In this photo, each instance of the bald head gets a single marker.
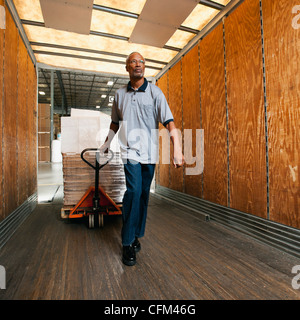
(135, 65)
(131, 54)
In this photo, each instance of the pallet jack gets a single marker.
(95, 203)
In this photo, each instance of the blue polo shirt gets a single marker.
(138, 112)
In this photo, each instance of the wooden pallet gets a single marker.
(65, 210)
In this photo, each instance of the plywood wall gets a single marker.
(282, 60)
(249, 106)
(22, 130)
(246, 123)
(191, 121)
(213, 109)
(18, 120)
(10, 116)
(175, 102)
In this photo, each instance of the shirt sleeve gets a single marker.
(164, 112)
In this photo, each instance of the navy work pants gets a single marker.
(135, 201)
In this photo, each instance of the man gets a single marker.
(136, 111)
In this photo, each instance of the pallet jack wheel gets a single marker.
(91, 221)
(101, 220)
(95, 220)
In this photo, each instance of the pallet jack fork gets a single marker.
(95, 203)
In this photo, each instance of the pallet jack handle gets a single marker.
(97, 167)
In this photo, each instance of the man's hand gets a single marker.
(111, 133)
(178, 158)
(104, 148)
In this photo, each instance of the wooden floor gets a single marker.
(182, 257)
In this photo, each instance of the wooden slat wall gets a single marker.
(175, 102)
(9, 116)
(191, 117)
(162, 171)
(256, 150)
(22, 130)
(1, 108)
(18, 168)
(282, 61)
(247, 150)
(213, 106)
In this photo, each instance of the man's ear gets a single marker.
(126, 67)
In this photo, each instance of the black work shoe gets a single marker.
(136, 245)
(129, 257)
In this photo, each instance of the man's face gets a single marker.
(136, 66)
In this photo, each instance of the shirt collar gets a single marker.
(142, 88)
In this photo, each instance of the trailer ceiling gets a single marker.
(99, 51)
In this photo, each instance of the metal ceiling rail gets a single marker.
(172, 48)
(212, 4)
(33, 23)
(108, 35)
(187, 29)
(116, 11)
